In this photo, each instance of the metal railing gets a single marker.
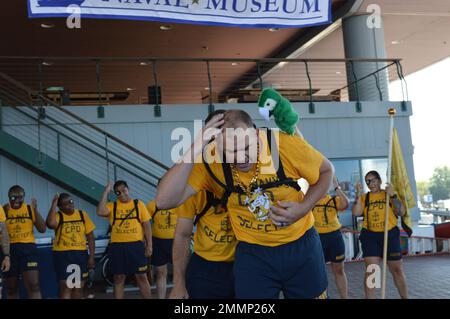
(416, 246)
(120, 80)
(436, 212)
(76, 143)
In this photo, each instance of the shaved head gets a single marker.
(237, 119)
(238, 141)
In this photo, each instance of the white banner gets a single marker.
(242, 13)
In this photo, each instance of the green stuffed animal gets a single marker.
(273, 103)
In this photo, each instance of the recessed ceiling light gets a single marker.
(207, 89)
(395, 42)
(274, 29)
(283, 63)
(131, 89)
(143, 63)
(234, 63)
(47, 63)
(165, 27)
(338, 72)
(47, 25)
(54, 88)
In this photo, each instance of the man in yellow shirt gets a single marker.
(163, 230)
(327, 224)
(278, 249)
(73, 228)
(4, 252)
(128, 251)
(208, 273)
(372, 206)
(21, 218)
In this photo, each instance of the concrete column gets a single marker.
(361, 41)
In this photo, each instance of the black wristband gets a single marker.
(6, 255)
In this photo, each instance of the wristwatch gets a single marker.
(337, 187)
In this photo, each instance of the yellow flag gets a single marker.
(401, 183)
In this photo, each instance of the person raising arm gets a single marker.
(173, 189)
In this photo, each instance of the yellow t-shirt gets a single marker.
(377, 212)
(164, 221)
(300, 160)
(125, 225)
(326, 215)
(20, 223)
(214, 238)
(71, 234)
(2, 215)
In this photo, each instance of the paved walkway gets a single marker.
(428, 278)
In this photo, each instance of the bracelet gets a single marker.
(394, 196)
(337, 187)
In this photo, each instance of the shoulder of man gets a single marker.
(85, 214)
(151, 207)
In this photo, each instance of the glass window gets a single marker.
(374, 164)
(348, 174)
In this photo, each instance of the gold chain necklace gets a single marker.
(254, 179)
(258, 202)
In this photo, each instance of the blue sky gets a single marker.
(429, 92)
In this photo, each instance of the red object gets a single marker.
(442, 230)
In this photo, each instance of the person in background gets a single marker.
(328, 226)
(21, 218)
(372, 206)
(73, 228)
(5, 259)
(131, 238)
(208, 272)
(163, 230)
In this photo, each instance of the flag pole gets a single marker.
(391, 112)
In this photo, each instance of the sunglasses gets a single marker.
(70, 201)
(369, 181)
(118, 193)
(14, 198)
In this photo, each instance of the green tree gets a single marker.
(440, 183)
(422, 190)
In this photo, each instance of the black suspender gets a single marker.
(229, 186)
(325, 207)
(59, 228)
(29, 214)
(367, 209)
(135, 209)
(210, 202)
